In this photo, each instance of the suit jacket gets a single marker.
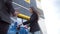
(6, 9)
(33, 23)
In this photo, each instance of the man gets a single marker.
(6, 10)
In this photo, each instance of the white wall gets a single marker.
(42, 25)
(52, 16)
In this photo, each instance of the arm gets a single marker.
(27, 22)
(32, 19)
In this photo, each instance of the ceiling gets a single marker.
(26, 5)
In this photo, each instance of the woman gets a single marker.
(35, 29)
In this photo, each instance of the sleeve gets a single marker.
(9, 6)
(27, 22)
(32, 19)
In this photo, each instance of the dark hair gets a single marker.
(34, 11)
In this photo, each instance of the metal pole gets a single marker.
(20, 5)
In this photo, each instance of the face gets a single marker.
(31, 10)
(16, 13)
